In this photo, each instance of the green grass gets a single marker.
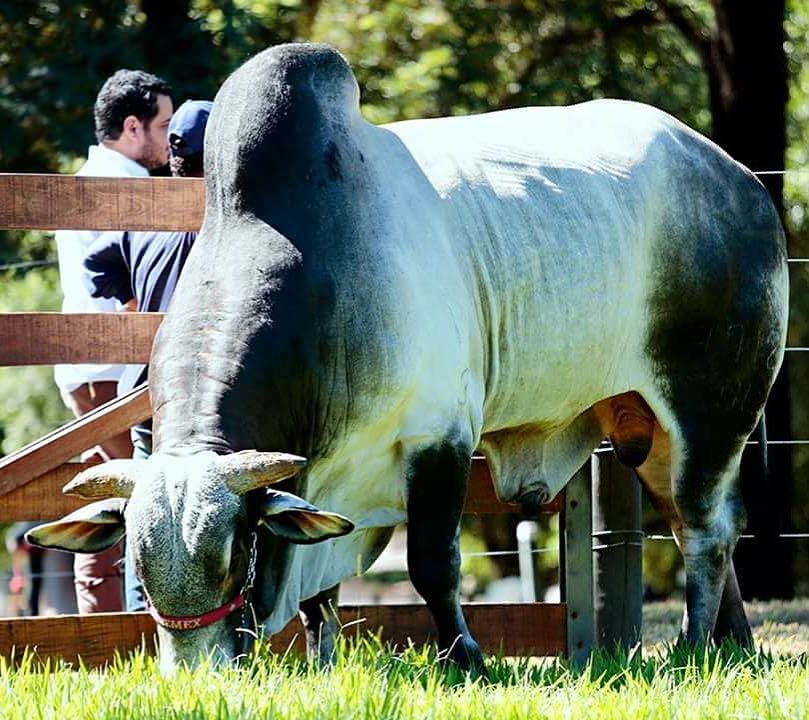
(370, 681)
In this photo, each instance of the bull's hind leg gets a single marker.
(712, 518)
(731, 622)
(708, 498)
(436, 483)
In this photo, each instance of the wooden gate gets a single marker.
(32, 477)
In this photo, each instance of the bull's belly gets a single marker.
(540, 427)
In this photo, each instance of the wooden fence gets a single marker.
(31, 478)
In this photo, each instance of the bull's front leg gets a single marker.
(321, 625)
(436, 480)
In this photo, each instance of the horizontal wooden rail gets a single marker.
(50, 451)
(515, 629)
(41, 338)
(42, 498)
(68, 202)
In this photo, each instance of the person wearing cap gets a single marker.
(187, 138)
(131, 112)
(141, 269)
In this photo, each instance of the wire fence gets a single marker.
(29, 264)
(623, 543)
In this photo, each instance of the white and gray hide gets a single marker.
(365, 306)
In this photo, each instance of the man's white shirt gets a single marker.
(71, 246)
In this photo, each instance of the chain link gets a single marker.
(251, 565)
(248, 614)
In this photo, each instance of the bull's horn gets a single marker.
(112, 479)
(249, 469)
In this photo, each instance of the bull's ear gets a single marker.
(249, 469)
(294, 519)
(92, 528)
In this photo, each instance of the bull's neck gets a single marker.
(202, 394)
(218, 393)
(179, 430)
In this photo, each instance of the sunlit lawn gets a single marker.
(370, 681)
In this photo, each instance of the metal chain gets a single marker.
(248, 614)
(251, 564)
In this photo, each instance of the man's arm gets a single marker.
(106, 268)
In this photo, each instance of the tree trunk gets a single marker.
(747, 73)
(175, 48)
(165, 22)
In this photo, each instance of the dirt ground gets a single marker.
(779, 626)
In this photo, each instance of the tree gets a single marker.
(744, 58)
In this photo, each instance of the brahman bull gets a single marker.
(366, 305)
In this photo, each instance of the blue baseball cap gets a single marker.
(187, 127)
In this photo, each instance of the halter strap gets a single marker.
(192, 622)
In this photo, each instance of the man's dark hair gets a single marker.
(127, 92)
(190, 166)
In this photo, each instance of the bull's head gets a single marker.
(189, 526)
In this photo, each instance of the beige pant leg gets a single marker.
(88, 397)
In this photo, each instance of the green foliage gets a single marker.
(412, 59)
(796, 203)
(31, 404)
(52, 58)
(443, 57)
(371, 681)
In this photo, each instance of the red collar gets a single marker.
(192, 622)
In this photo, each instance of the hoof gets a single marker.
(533, 501)
(465, 654)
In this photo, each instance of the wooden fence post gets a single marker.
(577, 565)
(617, 553)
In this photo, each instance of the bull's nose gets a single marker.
(216, 659)
(192, 648)
(168, 668)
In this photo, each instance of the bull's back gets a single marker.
(578, 228)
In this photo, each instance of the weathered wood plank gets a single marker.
(67, 202)
(617, 553)
(51, 338)
(94, 637)
(73, 438)
(41, 498)
(517, 629)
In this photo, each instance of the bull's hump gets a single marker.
(284, 79)
(279, 121)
